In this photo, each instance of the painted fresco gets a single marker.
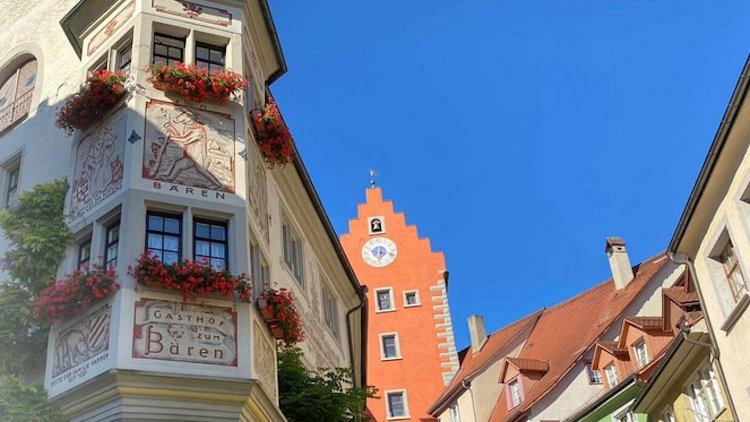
(99, 166)
(195, 11)
(257, 186)
(187, 146)
(264, 361)
(110, 28)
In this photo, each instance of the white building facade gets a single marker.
(186, 180)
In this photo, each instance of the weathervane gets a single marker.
(373, 175)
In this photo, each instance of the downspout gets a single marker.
(471, 393)
(712, 336)
(362, 305)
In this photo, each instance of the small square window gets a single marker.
(210, 57)
(293, 252)
(411, 298)
(260, 272)
(384, 300)
(168, 50)
(397, 405)
(210, 244)
(330, 309)
(376, 225)
(594, 376)
(515, 393)
(641, 353)
(11, 192)
(611, 373)
(390, 347)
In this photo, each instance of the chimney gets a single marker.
(478, 333)
(622, 272)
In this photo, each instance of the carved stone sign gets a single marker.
(184, 332)
(192, 10)
(99, 166)
(257, 186)
(265, 362)
(80, 347)
(187, 146)
(110, 28)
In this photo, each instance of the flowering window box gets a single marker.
(196, 85)
(192, 278)
(73, 294)
(102, 90)
(281, 315)
(273, 136)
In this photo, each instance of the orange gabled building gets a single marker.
(411, 352)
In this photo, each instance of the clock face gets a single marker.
(379, 252)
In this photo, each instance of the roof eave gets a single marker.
(727, 121)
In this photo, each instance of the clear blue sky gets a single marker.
(515, 134)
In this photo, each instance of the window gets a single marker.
(84, 254)
(293, 252)
(124, 56)
(389, 346)
(259, 270)
(668, 415)
(16, 92)
(384, 300)
(11, 192)
(168, 50)
(397, 405)
(411, 298)
(611, 373)
(625, 416)
(376, 225)
(733, 272)
(210, 244)
(705, 395)
(514, 389)
(594, 376)
(110, 248)
(330, 310)
(209, 57)
(164, 237)
(641, 353)
(453, 413)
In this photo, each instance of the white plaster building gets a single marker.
(121, 195)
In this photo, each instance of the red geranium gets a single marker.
(284, 314)
(274, 139)
(196, 85)
(102, 90)
(71, 295)
(191, 278)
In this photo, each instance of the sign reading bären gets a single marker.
(185, 332)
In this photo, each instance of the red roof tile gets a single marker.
(564, 332)
(493, 350)
(646, 323)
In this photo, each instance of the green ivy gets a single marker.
(325, 395)
(38, 236)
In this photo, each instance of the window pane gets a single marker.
(113, 234)
(218, 232)
(156, 253)
(218, 250)
(396, 404)
(201, 53)
(172, 225)
(170, 257)
(171, 243)
(202, 248)
(218, 264)
(155, 223)
(155, 241)
(202, 230)
(217, 56)
(384, 300)
(389, 346)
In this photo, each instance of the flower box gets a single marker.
(283, 318)
(196, 85)
(102, 90)
(272, 134)
(73, 294)
(191, 278)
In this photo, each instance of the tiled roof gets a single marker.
(564, 332)
(492, 351)
(612, 347)
(646, 323)
(680, 296)
(529, 364)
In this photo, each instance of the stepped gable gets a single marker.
(559, 337)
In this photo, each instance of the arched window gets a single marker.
(16, 92)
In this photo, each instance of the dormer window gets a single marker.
(594, 376)
(641, 353)
(611, 373)
(514, 389)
